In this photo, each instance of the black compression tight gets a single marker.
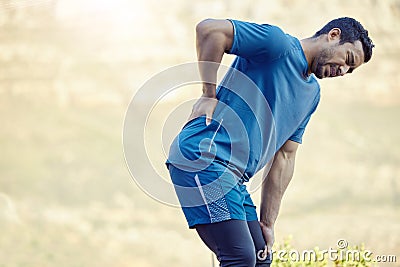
(234, 242)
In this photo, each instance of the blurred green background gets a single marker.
(68, 71)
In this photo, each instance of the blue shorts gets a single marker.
(211, 196)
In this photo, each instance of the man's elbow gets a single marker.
(205, 28)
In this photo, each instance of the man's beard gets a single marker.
(320, 62)
(319, 71)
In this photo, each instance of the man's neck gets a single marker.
(310, 48)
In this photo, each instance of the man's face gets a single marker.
(337, 60)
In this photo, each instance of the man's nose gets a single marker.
(344, 69)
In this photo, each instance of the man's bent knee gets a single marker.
(243, 257)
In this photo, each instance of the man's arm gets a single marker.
(273, 188)
(213, 38)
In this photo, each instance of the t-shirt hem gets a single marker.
(296, 140)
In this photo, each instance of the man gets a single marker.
(228, 136)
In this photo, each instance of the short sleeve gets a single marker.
(259, 42)
(298, 134)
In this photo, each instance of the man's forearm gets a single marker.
(275, 185)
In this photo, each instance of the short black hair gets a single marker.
(351, 31)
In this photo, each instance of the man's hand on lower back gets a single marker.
(204, 106)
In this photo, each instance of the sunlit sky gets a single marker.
(117, 12)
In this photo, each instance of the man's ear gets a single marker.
(334, 34)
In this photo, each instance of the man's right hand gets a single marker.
(204, 106)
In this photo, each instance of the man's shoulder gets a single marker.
(256, 26)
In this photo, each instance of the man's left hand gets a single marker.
(268, 233)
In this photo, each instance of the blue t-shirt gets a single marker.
(265, 99)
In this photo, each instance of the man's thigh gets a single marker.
(230, 240)
(235, 242)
